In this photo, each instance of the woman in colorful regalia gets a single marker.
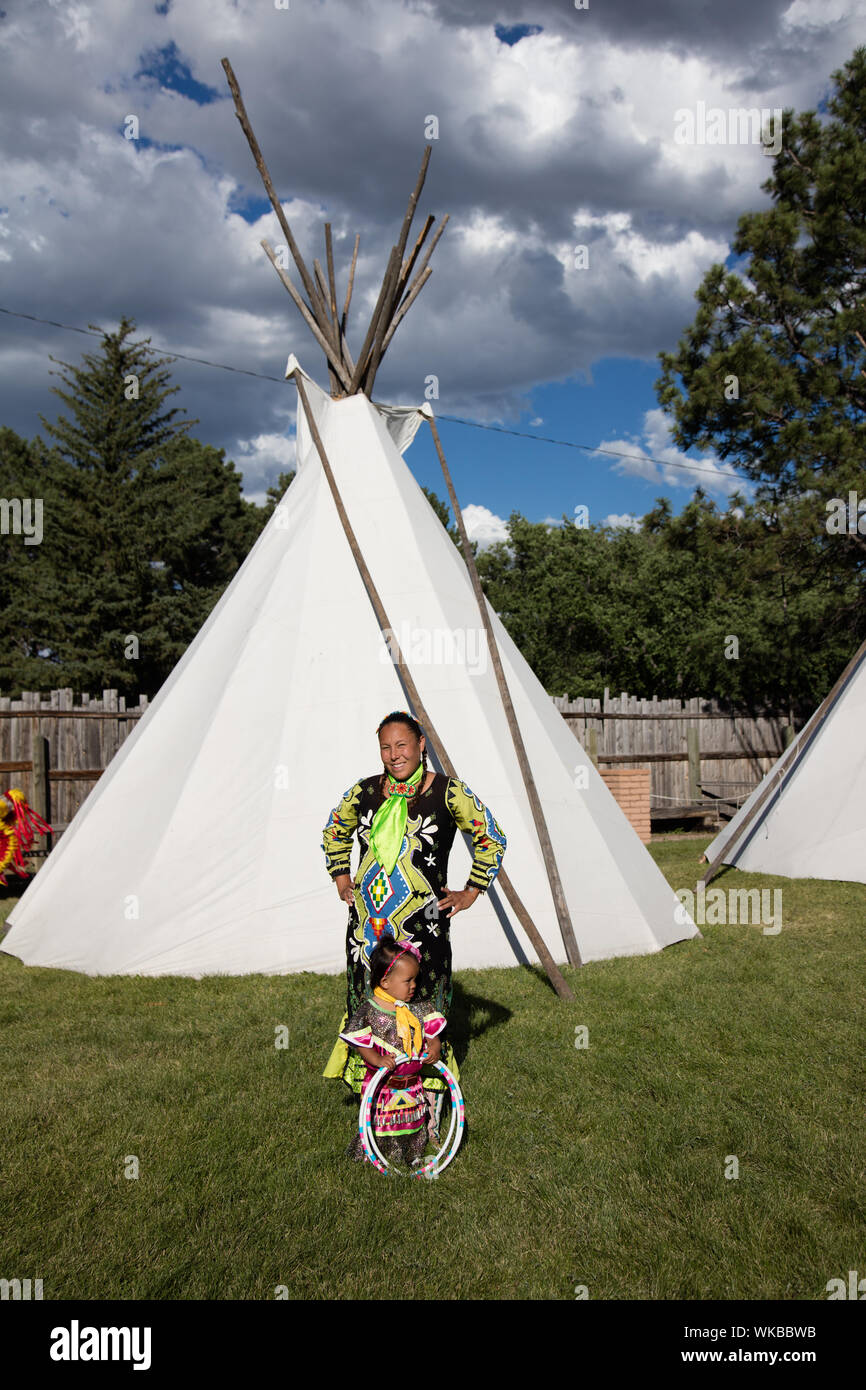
(405, 819)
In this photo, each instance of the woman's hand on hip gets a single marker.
(345, 887)
(458, 899)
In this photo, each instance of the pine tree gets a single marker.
(772, 372)
(143, 528)
(277, 490)
(116, 398)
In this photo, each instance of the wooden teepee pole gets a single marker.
(317, 305)
(562, 913)
(405, 286)
(412, 258)
(552, 970)
(332, 282)
(376, 350)
(404, 308)
(408, 295)
(307, 316)
(347, 356)
(393, 297)
(333, 326)
(367, 347)
(320, 312)
(393, 286)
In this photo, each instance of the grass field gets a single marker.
(602, 1166)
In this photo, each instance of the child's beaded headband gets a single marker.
(406, 946)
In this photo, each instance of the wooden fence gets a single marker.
(54, 749)
(700, 757)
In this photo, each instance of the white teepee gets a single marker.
(807, 818)
(198, 850)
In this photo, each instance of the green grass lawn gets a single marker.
(602, 1166)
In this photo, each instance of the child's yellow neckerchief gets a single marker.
(408, 1026)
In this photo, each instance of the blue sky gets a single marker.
(556, 130)
(542, 480)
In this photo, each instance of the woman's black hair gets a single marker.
(401, 717)
(381, 957)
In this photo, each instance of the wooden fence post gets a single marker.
(693, 741)
(592, 746)
(39, 756)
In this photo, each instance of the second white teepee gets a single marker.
(807, 817)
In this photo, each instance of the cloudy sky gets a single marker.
(557, 128)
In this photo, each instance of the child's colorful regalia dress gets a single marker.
(400, 1117)
(402, 902)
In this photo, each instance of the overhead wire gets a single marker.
(452, 419)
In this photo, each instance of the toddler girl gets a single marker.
(387, 1022)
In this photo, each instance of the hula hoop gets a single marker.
(433, 1166)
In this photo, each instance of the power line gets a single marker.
(185, 357)
(590, 448)
(453, 419)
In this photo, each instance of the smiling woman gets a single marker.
(405, 819)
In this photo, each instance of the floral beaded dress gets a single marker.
(400, 1119)
(403, 903)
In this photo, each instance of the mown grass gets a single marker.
(602, 1166)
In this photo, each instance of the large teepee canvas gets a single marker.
(807, 818)
(199, 849)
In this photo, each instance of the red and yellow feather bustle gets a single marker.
(19, 825)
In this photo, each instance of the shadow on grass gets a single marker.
(470, 1016)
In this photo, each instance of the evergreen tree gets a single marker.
(442, 511)
(772, 373)
(277, 490)
(144, 527)
(32, 480)
(115, 400)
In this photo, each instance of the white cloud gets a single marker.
(263, 457)
(683, 260)
(804, 14)
(484, 526)
(670, 465)
(626, 521)
(75, 20)
(567, 136)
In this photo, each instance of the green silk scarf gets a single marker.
(389, 823)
